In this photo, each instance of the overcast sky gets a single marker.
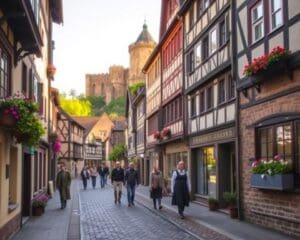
(96, 34)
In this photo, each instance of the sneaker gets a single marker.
(181, 216)
(129, 205)
(132, 203)
(160, 207)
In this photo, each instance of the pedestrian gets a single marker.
(101, 171)
(63, 182)
(93, 174)
(117, 180)
(85, 175)
(156, 187)
(106, 173)
(131, 181)
(180, 188)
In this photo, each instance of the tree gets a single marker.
(118, 152)
(116, 106)
(76, 107)
(97, 104)
(72, 93)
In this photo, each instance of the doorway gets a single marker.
(227, 169)
(26, 187)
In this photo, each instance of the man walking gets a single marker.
(131, 181)
(117, 180)
(103, 172)
(63, 182)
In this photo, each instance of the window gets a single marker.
(199, 8)
(257, 21)
(266, 143)
(198, 54)
(223, 34)
(205, 49)
(172, 160)
(191, 14)
(221, 91)
(209, 98)
(276, 14)
(193, 106)
(36, 8)
(4, 74)
(231, 88)
(202, 101)
(24, 79)
(213, 41)
(191, 62)
(205, 4)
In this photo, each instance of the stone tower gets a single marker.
(139, 52)
(118, 77)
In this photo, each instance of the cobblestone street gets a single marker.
(102, 219)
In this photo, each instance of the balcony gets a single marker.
(21, 18)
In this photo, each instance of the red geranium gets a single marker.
(265, 61)
(157, 135)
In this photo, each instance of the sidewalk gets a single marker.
(208, 224)
(54, 224)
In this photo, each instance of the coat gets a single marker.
(63, 184)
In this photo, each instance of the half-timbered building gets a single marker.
(25, 52)
(210, 94)
(172, 120)
(71, 135)
(269, 107)
(153, 155)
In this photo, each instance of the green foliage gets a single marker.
(230, 198)
(116, 106)
(272, 167)
(76, 107)
(117, 153)
(97, 104)
(28, 129)
(133, 88)
(212, 200)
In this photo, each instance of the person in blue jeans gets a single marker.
(131, 182)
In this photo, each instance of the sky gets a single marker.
(96, 34)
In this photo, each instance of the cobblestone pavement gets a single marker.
(102, 219)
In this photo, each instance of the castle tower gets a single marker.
(118, 77)
(139, 52)
(96, 84)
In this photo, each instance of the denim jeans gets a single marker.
(102, 181)
(130, 193)
(94, 181)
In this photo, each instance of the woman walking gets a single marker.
(180, 187)
(94, 173)
(156, 186)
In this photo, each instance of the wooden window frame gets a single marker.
(202, 102)
(252, 23)
(211, 51)
(7, 72)
(193, 106)
(205, 48)
(222, 95)
(211, 98)
(272, 28)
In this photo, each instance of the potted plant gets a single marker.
(213, 204)
(39, 203)
(166, 132)
(51, 70)
(157, 135)
(25, 124)
(274, 174)
(231, 199)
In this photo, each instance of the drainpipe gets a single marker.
(234, 73)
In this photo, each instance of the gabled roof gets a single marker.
(87, 122)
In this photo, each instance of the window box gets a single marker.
(276, 182)
(277, 68)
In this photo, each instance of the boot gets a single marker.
(116, 197)
(119, 199)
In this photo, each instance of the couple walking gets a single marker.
(129, 178)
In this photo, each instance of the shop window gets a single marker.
(173, 159)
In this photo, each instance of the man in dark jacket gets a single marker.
(63, 182)
(117, 180)
(103, 173)
(131, 181)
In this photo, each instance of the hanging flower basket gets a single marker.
(7, 120)
(157, 135)
(51, 70)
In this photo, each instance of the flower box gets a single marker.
(277, 68)
(276, 182)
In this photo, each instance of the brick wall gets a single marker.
(274, 209)
(10, 228)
